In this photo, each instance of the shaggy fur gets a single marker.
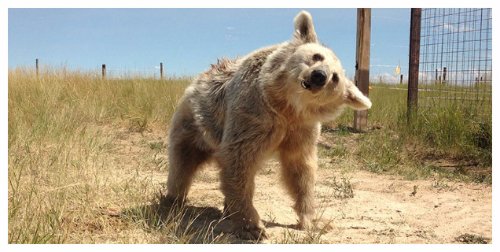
(240, 112)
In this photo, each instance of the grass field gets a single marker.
(64, 164)
(452, 132)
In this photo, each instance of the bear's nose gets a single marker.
(318, 77)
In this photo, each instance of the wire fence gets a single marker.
(111, 72)
(455, 58)
(130, 73)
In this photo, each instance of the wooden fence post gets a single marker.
(362, 78)
(104, 71)
(161, 70)
(37, 67)
(412, 102)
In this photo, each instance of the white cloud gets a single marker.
(382, 65)
(386, 78)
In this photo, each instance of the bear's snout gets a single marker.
(318, 78)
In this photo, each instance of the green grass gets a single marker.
(453, 131)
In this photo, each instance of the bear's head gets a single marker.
(310, 74)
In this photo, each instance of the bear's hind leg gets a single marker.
(185, 158)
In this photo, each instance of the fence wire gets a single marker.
(455, 58)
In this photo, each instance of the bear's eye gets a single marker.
(318, 57)
(335, 78)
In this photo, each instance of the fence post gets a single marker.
(362, 77)
(444, 74)
(37, 67)
(104, 71)
(161, 70)
(412, 102)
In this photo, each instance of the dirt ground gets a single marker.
(384, 209)
(362, 207)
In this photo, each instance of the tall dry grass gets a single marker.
(60, 154)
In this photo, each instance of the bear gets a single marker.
(240, 112)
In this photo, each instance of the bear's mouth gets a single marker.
(305, 85)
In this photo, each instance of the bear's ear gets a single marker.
(304, 28)
(355, 99)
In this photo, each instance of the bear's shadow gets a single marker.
(185, 224)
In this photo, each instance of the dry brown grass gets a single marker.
(65, 168)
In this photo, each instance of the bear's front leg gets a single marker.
(298, 172)
(298, 157)
(239, 163)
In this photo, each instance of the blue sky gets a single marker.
(188, 40)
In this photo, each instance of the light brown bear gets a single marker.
(241, 112)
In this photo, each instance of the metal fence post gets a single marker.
(37, 67)
(104, 71)
(161, 70)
